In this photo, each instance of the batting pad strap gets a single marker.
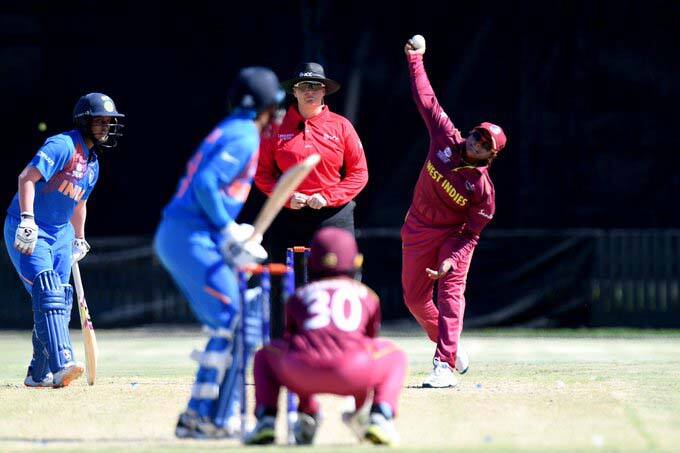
(205, 391)
(219, 361)
(252, 293)
(68, 300)
(220, 332)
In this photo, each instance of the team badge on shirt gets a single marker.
(469, 186)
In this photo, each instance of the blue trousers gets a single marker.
(53, 251)
(192, 257)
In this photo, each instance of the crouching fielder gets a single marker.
(202, 247)
(330, 347)
(452, 203)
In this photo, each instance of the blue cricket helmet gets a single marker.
(256, 88)
(98, 104)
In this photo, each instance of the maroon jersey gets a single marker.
(329, 317)
(449, 192)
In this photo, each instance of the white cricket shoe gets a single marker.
(357, 422)
(46, 382)
(68, 374)
(441, 376)
(462, 361)
(381, 431)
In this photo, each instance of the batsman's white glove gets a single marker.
(26, 235)
(80, 249)
(239, 248)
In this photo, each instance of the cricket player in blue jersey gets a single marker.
(201, 246)
(45, 231)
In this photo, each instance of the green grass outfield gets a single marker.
(576, 390)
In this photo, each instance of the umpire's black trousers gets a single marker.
(297, 227)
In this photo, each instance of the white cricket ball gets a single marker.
(418, 41)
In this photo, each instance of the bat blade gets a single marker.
(284, 188)
(89, 338)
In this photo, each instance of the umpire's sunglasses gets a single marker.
(309, 86)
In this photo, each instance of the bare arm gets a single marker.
(27, 179)
(78, 219)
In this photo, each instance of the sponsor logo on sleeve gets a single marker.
(47, 158)
(286, 136)
(444, 155)
(483, 213)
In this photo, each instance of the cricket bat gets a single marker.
(89, 339)
(284, 188)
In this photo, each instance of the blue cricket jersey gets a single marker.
(68, 177)
(219, 175)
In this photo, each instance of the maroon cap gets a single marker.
(497, 135)
(334, 251)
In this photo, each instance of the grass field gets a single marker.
(525, 391)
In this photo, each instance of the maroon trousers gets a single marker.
(379, 367)
(426, 246)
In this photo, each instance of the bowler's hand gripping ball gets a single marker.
(418, 42)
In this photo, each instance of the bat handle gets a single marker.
(75, 270)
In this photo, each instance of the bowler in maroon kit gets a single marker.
(329, 346)
(452, 203)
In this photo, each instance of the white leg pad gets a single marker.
(219, 361)
(205, 391)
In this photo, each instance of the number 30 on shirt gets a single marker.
(342, 308)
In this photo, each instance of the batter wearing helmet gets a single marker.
(202, 247)
(452, 203)
(329, 346)
(45, 231)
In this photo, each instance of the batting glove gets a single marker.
(239, 247)
(80, 249)
(26, 235)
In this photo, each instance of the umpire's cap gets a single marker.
(334, 251)
(256, 88)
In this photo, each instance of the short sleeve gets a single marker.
(52, 157)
